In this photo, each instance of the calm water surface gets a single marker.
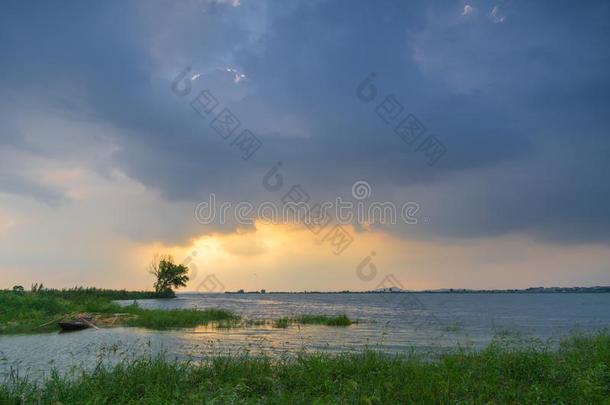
(388, 322)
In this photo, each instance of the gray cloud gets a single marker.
(521, 106)
(21, 186)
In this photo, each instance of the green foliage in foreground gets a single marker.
(39, 312)
(578, 373)
(340, 320)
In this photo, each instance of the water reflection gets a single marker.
(433, 322)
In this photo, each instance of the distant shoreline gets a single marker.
(531, 290)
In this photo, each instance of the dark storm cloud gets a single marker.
(520, 103)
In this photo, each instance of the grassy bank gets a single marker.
(38, 312)
(340, 320)
(578, 373)
(80, 293)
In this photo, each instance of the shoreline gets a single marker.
(577, 372)
(42, 311)
(530, 290)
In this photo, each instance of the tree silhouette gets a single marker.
(169, 275)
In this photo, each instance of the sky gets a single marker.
(487, 120)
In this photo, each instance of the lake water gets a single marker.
(389, 322)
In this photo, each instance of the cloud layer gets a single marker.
(517, 92)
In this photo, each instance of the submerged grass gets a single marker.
(578, 373)
(339, 320)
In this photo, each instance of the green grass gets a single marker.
(176, 318)
(339, 320)
(39, 312)
(79, 293)
(282, 323)
(577, 373)
(27, 312)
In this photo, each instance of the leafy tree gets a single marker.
(18, 289)
(169, 275)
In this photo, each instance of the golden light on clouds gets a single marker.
(275, 257)
(278, 257)
(6, 224)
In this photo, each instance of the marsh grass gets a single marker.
(577, 373)
(39, 312)
(28, 312)
(177, 318)
(338, 320)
